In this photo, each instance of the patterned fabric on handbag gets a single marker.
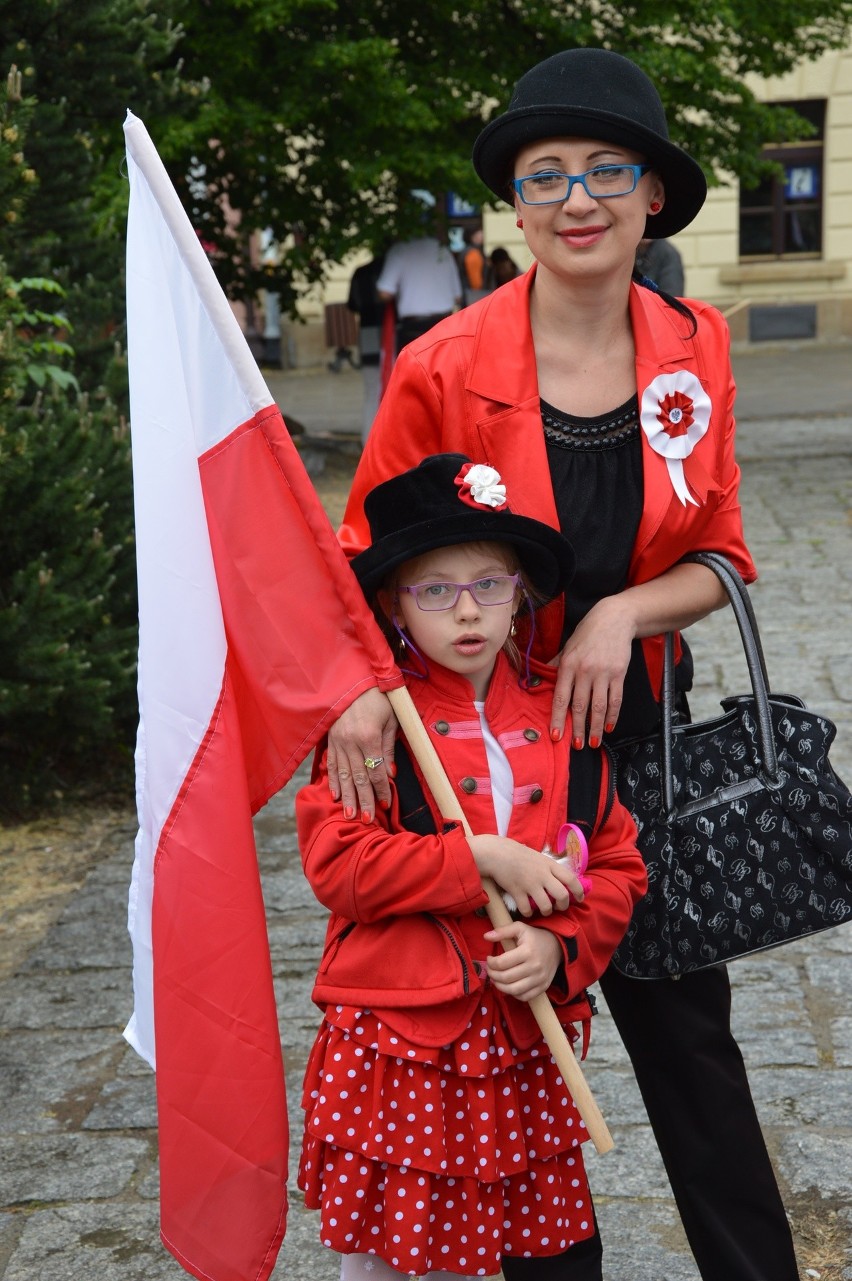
(745, 828)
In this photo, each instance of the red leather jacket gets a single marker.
(469, 385)
(405, 935)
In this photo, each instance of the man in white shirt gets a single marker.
(422, 278)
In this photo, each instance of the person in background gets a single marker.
(503, 266)
(421, 278)
(366, 304)
(270, 257)
(608, 408)
(342, 356)
(660, 262)
(474, 267)
(341, 334)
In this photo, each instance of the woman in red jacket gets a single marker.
(610, 409)
(427, 1144)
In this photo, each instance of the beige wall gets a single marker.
(709, 246)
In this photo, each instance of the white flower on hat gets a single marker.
(675, 414)
(478, 483)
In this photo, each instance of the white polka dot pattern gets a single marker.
(441, 1159)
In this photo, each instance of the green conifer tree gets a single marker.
(67, 596)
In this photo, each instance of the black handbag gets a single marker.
(744, 826)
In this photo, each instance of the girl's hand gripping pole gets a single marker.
(543, 1012)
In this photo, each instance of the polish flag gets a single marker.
(254, 636)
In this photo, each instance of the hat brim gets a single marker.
(546, 556)
(496, 148)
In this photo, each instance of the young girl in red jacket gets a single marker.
(440, 1139)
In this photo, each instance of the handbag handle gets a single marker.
(720, 565)
(755, 661)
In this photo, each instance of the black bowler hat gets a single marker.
(446, 500)
(592, 93)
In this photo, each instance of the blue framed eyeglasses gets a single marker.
(496, 589)
(601, 183)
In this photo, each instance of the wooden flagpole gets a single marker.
(551, 1029)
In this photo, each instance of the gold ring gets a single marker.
(373, 762)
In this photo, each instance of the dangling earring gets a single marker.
(407, 644)
(656, 206)
(397, 626)
(513, 629)
(519, 222)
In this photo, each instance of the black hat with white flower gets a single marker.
(446, 500)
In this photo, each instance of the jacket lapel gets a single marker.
(502, 367)
(660, 349)
(503, 383)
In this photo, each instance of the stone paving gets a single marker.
(78, 1163)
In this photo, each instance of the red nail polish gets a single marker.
(594, 741)
(366, 816)
(385, 805)
(609, 728)
(348, 811)
(577, 742)
(556, 734)
(391, 768)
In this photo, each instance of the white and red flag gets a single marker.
(253, 638)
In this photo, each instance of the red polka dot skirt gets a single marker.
(441, 1159)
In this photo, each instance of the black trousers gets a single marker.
(410, 327)
(693, 1082)
(581, 1263)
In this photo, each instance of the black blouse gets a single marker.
(596, 472)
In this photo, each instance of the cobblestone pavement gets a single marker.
(78, 1165)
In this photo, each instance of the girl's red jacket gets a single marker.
(407, 911)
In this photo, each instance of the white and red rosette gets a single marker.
(675, 414)
(481, 486)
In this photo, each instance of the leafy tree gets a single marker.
(318, 117)
(83, 63)
(324, 114)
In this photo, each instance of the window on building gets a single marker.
(782, 217)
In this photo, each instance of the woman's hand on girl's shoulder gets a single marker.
(360, 752)
(591, 670)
